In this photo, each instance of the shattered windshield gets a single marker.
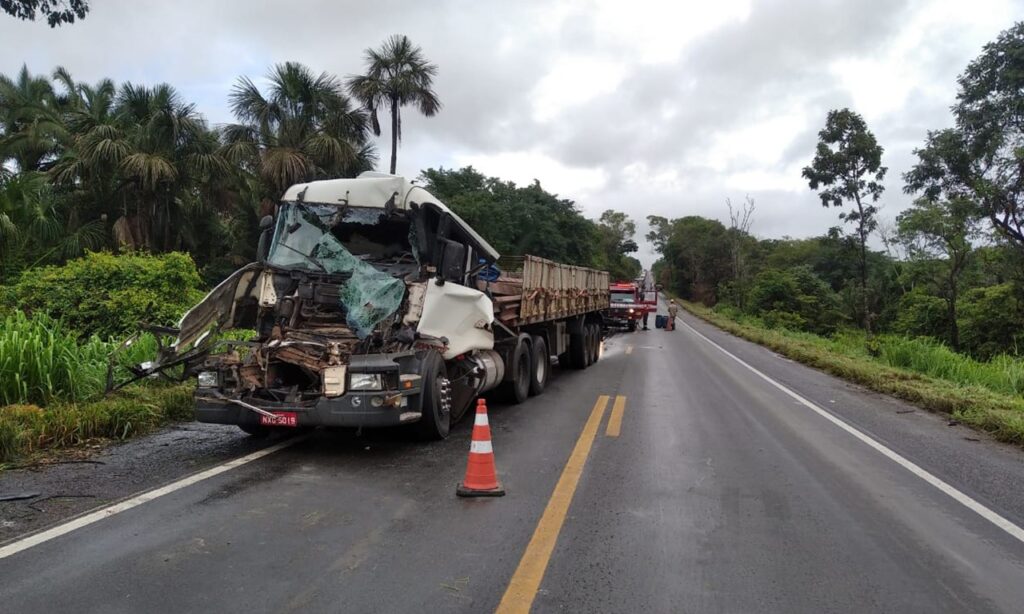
(349, 241)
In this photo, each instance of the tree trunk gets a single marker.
(863, 267)
(394, 135)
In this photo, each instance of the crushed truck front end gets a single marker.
(364, 311)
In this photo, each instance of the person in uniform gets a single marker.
(673, 310)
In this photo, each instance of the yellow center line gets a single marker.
(629, 350)
(525, 582)
(615, 420)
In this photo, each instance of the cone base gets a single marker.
(462, 491)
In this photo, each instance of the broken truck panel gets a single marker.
(374, 304)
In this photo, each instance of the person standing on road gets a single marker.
(673, 309)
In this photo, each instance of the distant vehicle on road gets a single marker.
(376, 305)
(626, 308)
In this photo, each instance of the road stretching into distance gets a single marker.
(686, 471)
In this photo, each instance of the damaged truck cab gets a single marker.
(372, 305)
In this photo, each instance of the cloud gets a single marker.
(650, 107)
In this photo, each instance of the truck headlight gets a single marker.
(631, 311)
(207, 379)
(365, 381)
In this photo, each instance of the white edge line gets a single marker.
(979, 508)
(63, 529)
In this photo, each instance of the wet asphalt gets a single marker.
(722, 494)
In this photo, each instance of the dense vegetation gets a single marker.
(952, 267)
(519, 220)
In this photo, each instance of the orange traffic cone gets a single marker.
(481, 477)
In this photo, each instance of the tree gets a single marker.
(30, 117)
(57, 12)
(615, 231)
(740, 220)
(696, 254)
(397, 75)
(304, 129)
(940, 232)
(847, 166)
(984, 153)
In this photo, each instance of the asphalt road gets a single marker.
(721, 492)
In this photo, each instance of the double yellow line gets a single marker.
(525, 582)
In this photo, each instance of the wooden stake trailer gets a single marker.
(543, 309)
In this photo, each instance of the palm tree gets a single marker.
(30, 121)
(304, 128)
(397, 74)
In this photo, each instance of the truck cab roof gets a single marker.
(381, 190)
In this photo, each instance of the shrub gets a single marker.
(922, 315)
(108, 295)
(992, 321)
(794, 298)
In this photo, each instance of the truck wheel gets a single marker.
(588, 346)
(597, 344)
(518, 388)
(578, 349)
(437, 399)
(541, 366)
(631, 326)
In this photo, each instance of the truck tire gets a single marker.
(436, 421)
(631, 326)
(596, 354)
(517, 389)
(579, 349)
(541, 366)
(588, 347)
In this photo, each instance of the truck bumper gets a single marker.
(353, 409)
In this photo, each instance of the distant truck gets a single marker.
(375, 305)
(625, 309)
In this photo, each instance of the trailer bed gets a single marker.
(532, 290)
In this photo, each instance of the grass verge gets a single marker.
(986, 396)
(26, 429)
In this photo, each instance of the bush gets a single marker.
(108, 295)
(992, 321)
(795, 299)
(922, 315)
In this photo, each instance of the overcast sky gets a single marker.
(650, 107)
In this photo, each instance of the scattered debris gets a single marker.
(905, 411)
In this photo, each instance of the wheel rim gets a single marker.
(444, 398)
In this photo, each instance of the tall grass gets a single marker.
(42, 362)
(986, 395)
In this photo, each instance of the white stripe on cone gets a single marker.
(481, 420)
(480, 447)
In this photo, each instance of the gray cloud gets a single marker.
(654, 137)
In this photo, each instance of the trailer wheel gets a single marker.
(541, 363)
(588, 346)
(517, 389)
(436, 421)
(596, 348)
(579, 348)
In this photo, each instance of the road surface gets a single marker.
(668, 477)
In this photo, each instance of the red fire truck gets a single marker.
(626, 307)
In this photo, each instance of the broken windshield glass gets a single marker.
(305, 239)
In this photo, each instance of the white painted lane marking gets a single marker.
(106, 512)
(979, 508)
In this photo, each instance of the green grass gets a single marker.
(52, 385)
(42, 362)
(985, 395)
(26, 428)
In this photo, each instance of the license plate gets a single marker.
(280, 418)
